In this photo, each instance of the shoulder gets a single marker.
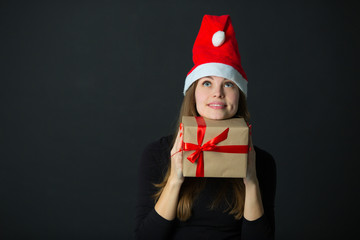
(158, 148)
(264, 160)
(156, 154)
(160, 145)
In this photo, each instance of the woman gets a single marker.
(173, 207)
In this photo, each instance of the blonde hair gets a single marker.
(193, 186)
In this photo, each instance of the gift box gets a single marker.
(215, 148)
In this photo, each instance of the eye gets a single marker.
(229, 84)
(206, 83)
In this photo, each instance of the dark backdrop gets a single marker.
(85, 85)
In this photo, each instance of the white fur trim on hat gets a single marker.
(219, 70)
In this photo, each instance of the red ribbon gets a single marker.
(209, 146)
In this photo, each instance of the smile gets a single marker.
(217, 105)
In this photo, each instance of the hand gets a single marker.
(176, 174)
(253, 207)
(251, 177)
(168, 201)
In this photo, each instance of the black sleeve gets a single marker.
(148, 223)
(264, 227)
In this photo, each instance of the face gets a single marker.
(216, 97)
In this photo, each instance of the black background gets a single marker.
(85, 85)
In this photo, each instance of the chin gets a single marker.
(216, 114)
(216, 117)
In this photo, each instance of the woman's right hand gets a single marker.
(176, 174)
(167, 204)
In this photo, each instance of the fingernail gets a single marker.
(180, 134)
(181, 125)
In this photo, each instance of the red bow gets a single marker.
(209, 146)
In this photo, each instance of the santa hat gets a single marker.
(216, 53)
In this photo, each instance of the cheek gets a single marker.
(235, 100)
(199, 98)
(197, 102)
(200, 102)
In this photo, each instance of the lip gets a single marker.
(217, 105)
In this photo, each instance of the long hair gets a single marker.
(191, 187)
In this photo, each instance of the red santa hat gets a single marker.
(216, 53)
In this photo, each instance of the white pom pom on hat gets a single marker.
(216, 53)
(218, 38)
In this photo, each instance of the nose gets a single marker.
(218, 91)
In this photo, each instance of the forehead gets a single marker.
(215, 78)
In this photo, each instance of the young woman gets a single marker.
(173, 207)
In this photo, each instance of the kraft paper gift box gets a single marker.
(226, 157)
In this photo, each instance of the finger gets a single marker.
(178, 140)
(181, 129)
(250, 143)
(250, 138)
(181, 136)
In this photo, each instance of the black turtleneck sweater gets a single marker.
(204, 223)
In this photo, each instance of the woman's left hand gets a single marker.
(253, 208)
(251, 177)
